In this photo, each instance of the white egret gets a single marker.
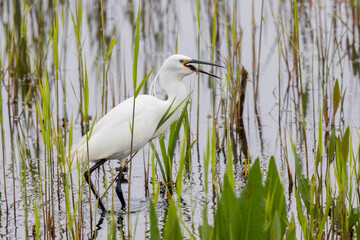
(111, 135)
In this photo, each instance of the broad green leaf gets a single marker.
(354, 217)
(154, 226)
(205, 230)
(357, 225)
(172, 226)
(252, 206)
(275, 201)
(227, 217)
(275, 231)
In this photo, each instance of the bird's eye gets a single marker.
(181, 61)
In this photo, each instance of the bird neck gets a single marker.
(176, 91)
(173, 86)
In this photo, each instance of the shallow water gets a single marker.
(329, 46)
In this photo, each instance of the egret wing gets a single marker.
(111, 136)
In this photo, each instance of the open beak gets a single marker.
(198, 70)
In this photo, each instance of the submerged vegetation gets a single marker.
(270, 151)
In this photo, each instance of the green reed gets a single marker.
(260, 210)
(326, 199)
(168, 152)
(135, 86)
(3, 139)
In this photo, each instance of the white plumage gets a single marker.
(111, 135)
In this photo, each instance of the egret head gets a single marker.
(174, 69)
(183, 65)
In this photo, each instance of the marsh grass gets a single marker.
(225, 188)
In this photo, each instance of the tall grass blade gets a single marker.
(142, 83)
(136, 48)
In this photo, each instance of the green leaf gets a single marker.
(154, 226)
(354, 217)
(112, 44)
(198, 14)
(174, 134)
(167, 163)
(37, 220)
(206, 231)
(319, 151)
(331, 146)
(275, 231)
(213, 156)
(142, 83)
(167, 115)
(291, 229)
(326, 213)
(227, 217)
(179, 179)
(55, 39)
(336, 99)
(345, 142)
(172, 226)
(86, 96)
(252, 206)
(303, 182)
(206, 163)
(230, 169)
(159, 161)
(301, 216)
(136, 49)
(275, 201)
(214, 31)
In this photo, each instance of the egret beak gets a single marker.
(198, 70)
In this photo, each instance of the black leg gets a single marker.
(118, 189)
(87, 176)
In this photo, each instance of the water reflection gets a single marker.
(31, 152)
